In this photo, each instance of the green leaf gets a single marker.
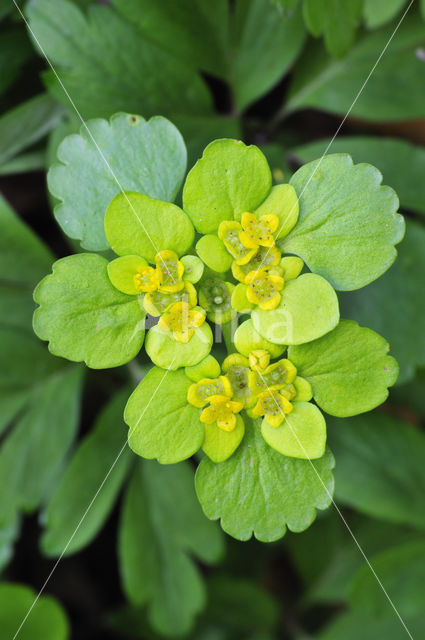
(33, 453)
(336, 20)
(348, 225)
(402, 571)
(392, 306)
(84, 317)
(378, 12)
(349, 369)
(371, 476)
(137, 224)
(87, 491)
(167, 352)
(8, 535)
(218, 444)
(283, 202)
(332, 85)
(193, 31)
(301, 435)
(308, 309)
(161, 525)
(399, 161)
(247, 339)
(26, 162)
(213, 253)
(108, 66)
(24, 259)
(258, 491)
(15, 50)
(26, 124)
(163, 425)
(266, 43)
(347, 626)
(229, 179)
(46, 622)
(126, 153)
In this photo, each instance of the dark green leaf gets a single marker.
(87, 491)
(258, 491)
(14, 52)
(378, 12)
(161, 524)
(107, 66)
(380, 467)
(337, 21)
(347, 626)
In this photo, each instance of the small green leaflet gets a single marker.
(258, 491)
(127, 153)
(161, 525)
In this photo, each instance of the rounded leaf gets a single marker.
(137, 224)
(206, 368)
(162, 424)
(248, 339)
(168, 353)
(282, 201)
(121, 273)
(308, 309)
(212, 251)
(218, 444)
(301, 435)
(348, 225)
(258, 491)
(136, 155)
(349, 369)
(84, 317)
(193, 268)
(228, 180)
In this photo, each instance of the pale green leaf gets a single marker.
(258, 491)
(161, 525)
(247, 339)
(167, 352)
(282, 201)
(107, 65)
(400, 162)
(349, 369)
(218, 444)
(301, 435)
(86, 492)
(372, 474)
(348, 225)
(126, 153)
(84, 317)
(213, 253)
(162, 424)
(46, 622)
(228, 180)
(140, 225)
(308, 309)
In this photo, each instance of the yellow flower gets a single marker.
(171, 271)
(258, 231)
(156, 302)
(263, 288)
(228, 232)
(264, 257)
(181, 320)
(273, 406)
(199, 393)
(221, 410)
(147, 279)
(275, 376)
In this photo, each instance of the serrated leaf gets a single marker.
(332, 85)
(136, 224)
(402, 571)
(307, 310)
(258, 491)
(349, 369)
(372, 474)
(348, 225)
(336, 20)
(163, 425)
(161, 524)
(86, 492)
(400, 162)
(33, 453)
(107, 65)
(84, 317)
(127, 153)
(392, 305)
(229, 179)
(267, 41)
(46, 622)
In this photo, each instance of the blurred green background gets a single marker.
(282, 74)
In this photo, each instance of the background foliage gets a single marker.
(145, 562)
